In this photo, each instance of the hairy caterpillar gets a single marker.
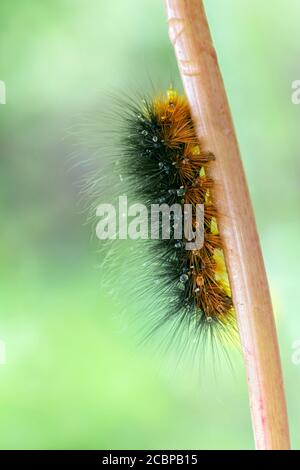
(164, 164)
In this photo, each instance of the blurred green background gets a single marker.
(75, 375)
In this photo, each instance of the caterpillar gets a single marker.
(164, 164)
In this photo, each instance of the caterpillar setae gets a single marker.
(164, 164)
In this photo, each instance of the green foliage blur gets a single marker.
(76, 376)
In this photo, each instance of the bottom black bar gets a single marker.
(136, 458)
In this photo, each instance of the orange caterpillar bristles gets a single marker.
(163, 160)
